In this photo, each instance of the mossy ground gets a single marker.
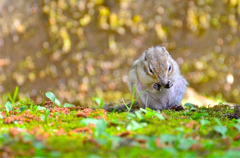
(43, 130)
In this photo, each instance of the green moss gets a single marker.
(192, 133)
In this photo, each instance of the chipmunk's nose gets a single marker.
(162, 81)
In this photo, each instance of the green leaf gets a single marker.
(143, 110)
(131, 116)
(133, 94)
(101, 141)
(55, 154)
(204, 122)
(237, 127)
(68, 105)
(27, 137)
(139, 115)
(209, 144)
(42, 117)
(188, 105)
(221, 129)
(89, 120)
(186, 143)
(168, 138)
(180, 129)
(23, 108)
(151, 143)
(51, 96)
(10, 98)
(93, 156)
(161, 117)
(57, 102)
(238, 120)
(125, 105)
(218, 121)
(15, 94)
(38, 145)
(1, 116)
(149, 114)
(133, 97)
(171, 150)
(35, 108)
(99, 101)
(198, 115)
(8, 106)
(115, 140)
(232, 154)
(47, 112)
(100, 127)
(39, 108)
(134, 125)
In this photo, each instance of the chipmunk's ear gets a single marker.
(165, 50)
(145, 55)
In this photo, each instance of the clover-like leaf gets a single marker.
(237, 127)
(51, 96)
(186, 143)
(134, 125)
(100, 127)
(68, 105)
(8, 106)
(168, 138)
(221, 129)
(39, 108)
(204, 122)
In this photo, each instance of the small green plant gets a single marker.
(99, 101)
(199, 115)
(68, 105)
(23, 108)
(52, 97)
(100, 127)
(150, 113)
(1, 116)
(204, 122)
(133, 98)
(134, 125)
(179, 141)
(190, 106)
(8, 106)
(237, 127)
(220, 128)
(45, 116)
(13, 99)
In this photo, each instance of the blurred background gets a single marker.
(78, 49)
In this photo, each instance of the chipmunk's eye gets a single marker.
(170, 68)
(150, 70)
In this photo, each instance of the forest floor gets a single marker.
(49, 130)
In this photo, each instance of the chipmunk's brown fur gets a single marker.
(157, 73)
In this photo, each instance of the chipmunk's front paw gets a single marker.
(169, 84)
(157, 86)
(177, 108)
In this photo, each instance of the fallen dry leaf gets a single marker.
(196, 147)
(60, 132)
(82, 114)
(237, 137)
(193, 124)
(124, 134)
(82, 130)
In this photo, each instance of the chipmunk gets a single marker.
(157, 76)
